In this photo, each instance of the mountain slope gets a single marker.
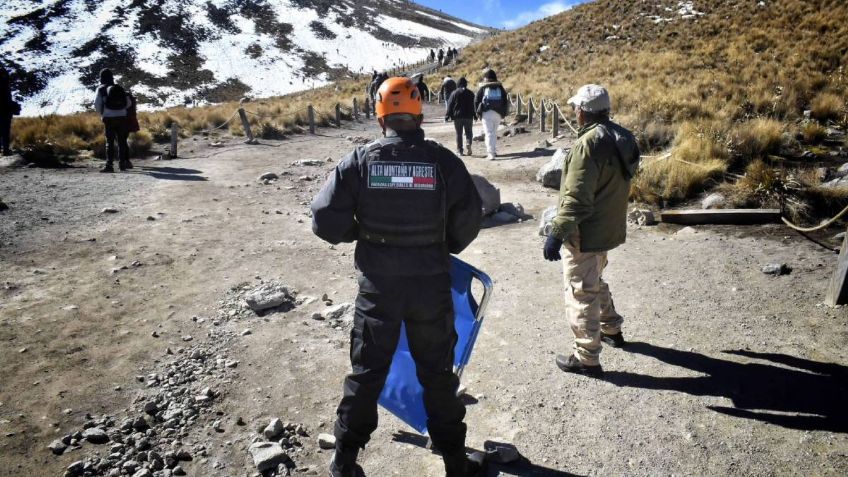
(175, 52)
(724, 84)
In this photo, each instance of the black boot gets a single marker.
(460, 465)
(343, 463)
(570, 364)
(124, 165)
(108, 168)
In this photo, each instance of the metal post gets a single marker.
(174, 136)
(555, 120)
(542, 116)
(338, 115)
(311, 113)
(246, 125)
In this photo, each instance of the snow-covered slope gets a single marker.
(173, 52)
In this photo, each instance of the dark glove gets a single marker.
(551, 250)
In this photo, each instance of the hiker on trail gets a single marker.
(460, 109)
(448, 87)
(590, 221)
(112, 103)
(418, 79)
(491, 105)
(403, 262)
(369, 89)
(432, 57)
(8, 109)
(441, 56)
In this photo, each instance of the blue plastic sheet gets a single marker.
(403, 395)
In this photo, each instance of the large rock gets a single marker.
(550, 174)
(490, 194)
(95, 435)
(267, 455)
(713, 201)
(326, 441)
(268, 295)
(274, 429)
(337, 312)
(545, 222)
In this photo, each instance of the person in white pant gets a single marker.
(492, 105)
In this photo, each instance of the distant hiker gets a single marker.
(418, 80)
(8, 108)
(371, 88)
(432, 57)
(112, 103)
(441, 55)
(448, 87)
(590, 221)
(408, 203)
(460, 108)
(491, 104)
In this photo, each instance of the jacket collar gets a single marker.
(406, 136)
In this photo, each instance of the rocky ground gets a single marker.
(182, 319)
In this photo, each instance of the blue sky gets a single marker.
(501, 13)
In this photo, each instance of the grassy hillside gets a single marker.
(723, 84)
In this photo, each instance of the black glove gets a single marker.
(551, 250)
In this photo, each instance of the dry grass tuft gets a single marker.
(757, 138)
(827, 106)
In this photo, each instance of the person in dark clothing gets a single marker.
(408, 203)
(448, 87)
(441, 55)
(460, 109)
(113, 111)
(418, 79)
(7, 110)
(491, 104)
(432, 56)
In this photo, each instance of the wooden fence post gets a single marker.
(555, 121)
(530, 111)
(355, 109)
(174, 137)
(542, 116)
(367, 108)
(338, 115)
(246, 125)
(311, 113)
(518, 104)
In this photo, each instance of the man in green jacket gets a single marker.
(590, 221)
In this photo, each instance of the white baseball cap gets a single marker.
(592, 98)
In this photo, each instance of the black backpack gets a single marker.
(116, 97)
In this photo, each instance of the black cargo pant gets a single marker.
(460, 125)
(117, 131)
(425, 305)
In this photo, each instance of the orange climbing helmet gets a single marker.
(398, 96)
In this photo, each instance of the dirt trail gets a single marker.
(732, 372)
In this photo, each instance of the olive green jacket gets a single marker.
(595, 187)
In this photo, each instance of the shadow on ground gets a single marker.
(809, 397)
(521, 468)
(173, 173)
(538, 152)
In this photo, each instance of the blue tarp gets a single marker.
(403, 395)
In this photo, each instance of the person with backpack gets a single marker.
(8, 109)
(114, 105)
(441, 56)
(491, 105)
(591, 220)
(460, 109)
(408, 203)
(418, 79)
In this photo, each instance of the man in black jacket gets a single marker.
(460, 109)
(6, 112)
(113, 111)
(491, 105)
(408, 203)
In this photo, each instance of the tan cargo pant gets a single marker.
(588, 302)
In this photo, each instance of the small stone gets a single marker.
(144, 472)
(273, 429)
(150, 407)
(150, 218)
(178, 470)
(187, 338)
(57, 447)
(95, 435)
(76, 468)
(246, 332)
(326, 441)
(268, 176)
(267, 455)
(776, 269)
(109, 210)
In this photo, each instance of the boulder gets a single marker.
(545, 222)
(713, 201)
(490, 194)
(268, 295)
(550, 174)
(267, 455)
(274, 429)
